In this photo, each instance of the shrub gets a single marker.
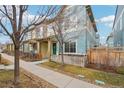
(120, 70)
(5, 62)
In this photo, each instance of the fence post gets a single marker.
(107, 63)
(119, 57)
(89, 58)
(98, 58)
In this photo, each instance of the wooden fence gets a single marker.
(106, 56)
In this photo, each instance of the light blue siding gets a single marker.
(81, 44)
(83, 33)
(118, 32)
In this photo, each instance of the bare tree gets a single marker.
(59, 36)
(14, 24)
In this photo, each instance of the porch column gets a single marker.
(28, 48)
(38, 47)
(57, 53)
(49, 50)
(10, 48)
(7, 47)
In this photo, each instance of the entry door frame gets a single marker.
(54, 48)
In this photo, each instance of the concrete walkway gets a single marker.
(9, 67)
(55, 78)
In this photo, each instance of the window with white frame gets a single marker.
(70, 47)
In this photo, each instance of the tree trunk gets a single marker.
(62, 56)
(16, 65)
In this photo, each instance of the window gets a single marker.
(73, 47)
(70, 47)
(66, 47)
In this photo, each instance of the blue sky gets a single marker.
(104, 16)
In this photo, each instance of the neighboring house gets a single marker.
(118, 27)
(37, 41)
(79, 35)
(110, 40)
(9, 46)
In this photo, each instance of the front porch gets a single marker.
(35, 50)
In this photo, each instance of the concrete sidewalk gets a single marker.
(9, 67)
(55, 78)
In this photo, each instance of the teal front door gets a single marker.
(54, 48)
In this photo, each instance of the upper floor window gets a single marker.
(37, 34)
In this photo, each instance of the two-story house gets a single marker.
(80, 34)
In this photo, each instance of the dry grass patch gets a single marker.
(27, 80)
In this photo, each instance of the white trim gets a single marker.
(74, 53)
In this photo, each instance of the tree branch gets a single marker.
(4, 29)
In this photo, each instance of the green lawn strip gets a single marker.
(108, 78)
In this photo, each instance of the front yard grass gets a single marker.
(27, 80)
(110, 79)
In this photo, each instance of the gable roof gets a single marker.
(115, 17)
